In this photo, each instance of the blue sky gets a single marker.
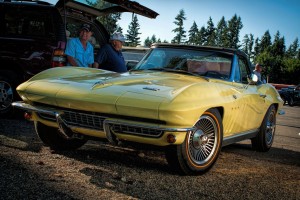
(257, 16)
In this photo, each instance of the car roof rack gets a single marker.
(27, 1)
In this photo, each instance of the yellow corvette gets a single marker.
(189, 100)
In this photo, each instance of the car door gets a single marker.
(250, 102)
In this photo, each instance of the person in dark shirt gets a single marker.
(110, 56)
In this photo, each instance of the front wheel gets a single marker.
(7, 86)
(201, 147)
(265, 137)
(51, 137)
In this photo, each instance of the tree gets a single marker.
(180, 37)
(193, 34)
(109, 21)
(293, 49)
(256, 48)
(278, 46)
(234, 27)
(210, 34)
(248, 42)
(265, 41)
(221, 33)
(201, 36)
(133, 32)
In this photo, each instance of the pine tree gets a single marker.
(293, 49)
(180, 37)
(193, 34)
(246, 42)
(265, 42)
(256, 48)
(201, 36)
(278, 46)
(221, 33)
(210, 34)
(147, 42)
(133, 32)
(234, 27)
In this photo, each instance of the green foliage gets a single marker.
(193, 32)
(133, 31)
(179, 30)
(108, 21)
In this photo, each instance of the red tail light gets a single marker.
(58, 58)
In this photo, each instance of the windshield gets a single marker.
(196, 62)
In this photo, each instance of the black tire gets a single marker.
(51, 137)
(265, 137)
(201, 148)
(291, 102)
(7, 93)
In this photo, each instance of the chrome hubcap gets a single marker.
(270, 130)
(202, 142)
(6, 95)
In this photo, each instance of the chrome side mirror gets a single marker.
(254, 78)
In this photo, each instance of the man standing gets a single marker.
(79, 51)
(110, 56)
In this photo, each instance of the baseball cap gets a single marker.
(86, 27)
(117, 36)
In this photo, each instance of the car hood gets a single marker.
(105, 91)
(117, 6)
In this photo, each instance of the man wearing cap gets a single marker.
(110, 56)
(79, 51)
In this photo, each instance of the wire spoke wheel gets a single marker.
(270, 129)
(265, 137)
(202, 142)
(201, 148)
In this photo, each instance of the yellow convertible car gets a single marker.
(188, 100)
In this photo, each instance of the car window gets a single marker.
(26, 23)
(204, 63)
(243, 70)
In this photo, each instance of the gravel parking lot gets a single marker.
(98, 170)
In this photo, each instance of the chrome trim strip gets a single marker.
(40, 109)
(126, 123)
(55, 113)
(239, 137)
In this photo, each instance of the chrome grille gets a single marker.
(135, 130)
(83, 120)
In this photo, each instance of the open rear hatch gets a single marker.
(115, 7)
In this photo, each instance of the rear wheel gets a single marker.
(291, 101)
(265, 137)
(51, 137)
(201, 147)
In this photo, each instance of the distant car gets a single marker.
(33, 37)
(292, 95)
(188, 100)
(133, 55)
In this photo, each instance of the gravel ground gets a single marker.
(98, 170)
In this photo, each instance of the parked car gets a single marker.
(188, 100)
(133, 55)
(291, 95)
(33, 37)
